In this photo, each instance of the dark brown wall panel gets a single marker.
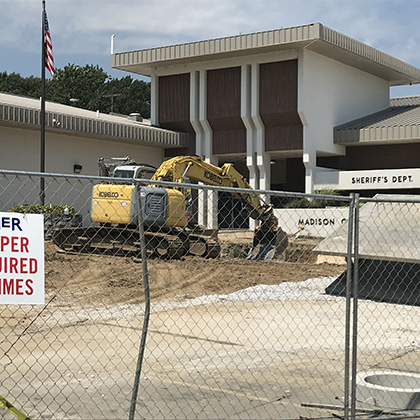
(284, 137)
(278, 87)
(228, 141)
(174, 98)
(278, 105)
(224, 110)
(224, 93)
(393, 156)
(174, 109)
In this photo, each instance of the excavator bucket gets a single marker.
(268, 244)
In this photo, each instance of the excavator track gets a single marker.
(204, 247)
(172, 244)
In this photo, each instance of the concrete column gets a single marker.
(195, 111)
(262, 158)
(246, 99)
(309, 155)
(309, 160)
(207, 144)
(199, 140)
(251, 156)
(207, 200)
(154, 105)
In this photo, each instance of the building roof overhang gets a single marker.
(314, 37)
(400, 123)
(25, 113)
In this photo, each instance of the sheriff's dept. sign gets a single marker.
(384, 179)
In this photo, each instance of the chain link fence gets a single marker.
(185, 312)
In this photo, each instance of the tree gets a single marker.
(15, 84)
(126, 96)
(90, 86)
(86, 84)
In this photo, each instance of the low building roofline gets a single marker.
(25, 113)
(397, 124)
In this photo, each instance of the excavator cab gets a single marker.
(132, 171)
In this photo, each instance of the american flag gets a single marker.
(49, 60)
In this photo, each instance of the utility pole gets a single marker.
(112, 96)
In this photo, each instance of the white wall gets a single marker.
(331, 93)
(311, 222)
(21, 151)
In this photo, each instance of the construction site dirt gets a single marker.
(116, 280)
(230, 359)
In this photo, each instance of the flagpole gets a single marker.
(42, 186)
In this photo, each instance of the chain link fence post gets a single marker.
(355, 283)
(145, 280)
(347, 364)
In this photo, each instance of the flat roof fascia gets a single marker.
(315, 37)
(365, 57)
(86, 126)
(143, 61)
(378, 135)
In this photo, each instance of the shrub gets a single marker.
(47, 208)
(298, 203)
(305, 203)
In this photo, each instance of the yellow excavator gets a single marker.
(168, 231)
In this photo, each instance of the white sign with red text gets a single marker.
(21, 258)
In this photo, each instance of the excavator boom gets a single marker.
(269, 239)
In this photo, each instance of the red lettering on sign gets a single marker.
(16, 287)
(33, 265)
(13, 265)
(19, 286)
(23, 266)
(7, 288)
(24, 244)
(18, 265)
(28, 284)
(4, 241)
(14, 244)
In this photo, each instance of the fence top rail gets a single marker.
(385, 198)
(172, 184)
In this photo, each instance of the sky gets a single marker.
(81, 30)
